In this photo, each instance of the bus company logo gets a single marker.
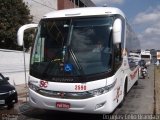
(43, 84)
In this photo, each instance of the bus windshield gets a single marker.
(72, 47)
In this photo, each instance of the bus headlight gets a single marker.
(33, 87)
(102, 90)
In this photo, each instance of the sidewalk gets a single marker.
(22, 91)
(157, 90)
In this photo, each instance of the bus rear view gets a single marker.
(146, 55)
(77, 63)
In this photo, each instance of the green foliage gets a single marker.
(13, 14)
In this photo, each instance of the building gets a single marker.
(40, 7)
(64, 4)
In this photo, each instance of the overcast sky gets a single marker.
(143, 16)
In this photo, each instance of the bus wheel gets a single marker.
(124, 94)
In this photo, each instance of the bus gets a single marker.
(136, 57)
(146, 55)
(67, 73)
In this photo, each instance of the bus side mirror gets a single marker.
(117, 31)
(21, 30)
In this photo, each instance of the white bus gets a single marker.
(146, 55)
(68, 74)
(135, 57)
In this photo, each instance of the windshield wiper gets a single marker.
(78, 65)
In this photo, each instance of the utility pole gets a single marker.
(25, 68)
(24, 58)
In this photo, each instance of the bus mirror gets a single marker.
(21, 30)
(117, 31)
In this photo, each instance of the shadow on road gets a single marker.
(29, 112)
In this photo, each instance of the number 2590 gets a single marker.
(80, 87)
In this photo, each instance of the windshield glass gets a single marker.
(2, 79)
(72, 47)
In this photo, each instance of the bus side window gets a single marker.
(117, 56)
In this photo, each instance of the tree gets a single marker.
(13, 14)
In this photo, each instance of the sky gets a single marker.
(143, 16)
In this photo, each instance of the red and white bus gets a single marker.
(70, 71)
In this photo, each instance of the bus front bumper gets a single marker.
(102, 104)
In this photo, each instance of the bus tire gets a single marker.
(124, 93)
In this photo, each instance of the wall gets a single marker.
(12, 65)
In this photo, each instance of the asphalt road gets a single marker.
(139, 100)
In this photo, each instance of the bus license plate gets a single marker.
(2, 102)
(62, 105)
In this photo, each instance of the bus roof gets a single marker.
(87, 11)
